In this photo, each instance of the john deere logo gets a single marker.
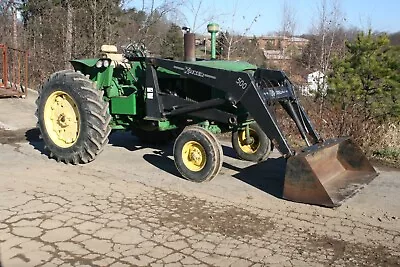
(190, 71)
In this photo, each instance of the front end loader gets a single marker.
(190, 101)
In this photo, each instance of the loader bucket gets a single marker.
(326, 174)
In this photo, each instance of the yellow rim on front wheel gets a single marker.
(61, 118)
(194, 156)
(254, 144)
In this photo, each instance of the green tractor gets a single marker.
(190, 101)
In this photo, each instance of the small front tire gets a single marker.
(197, 154)
(257, 150)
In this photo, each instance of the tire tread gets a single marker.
(96, 113)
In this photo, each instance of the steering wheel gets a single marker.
(134, 50)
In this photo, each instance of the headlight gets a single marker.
(99, 64)
(103, 63)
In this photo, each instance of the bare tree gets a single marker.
(196, 14)
(288, 27)
(13, 6)
(327, 29)
(233, 40)
(288, 24)
(9, 21)
(330, 21)
(68, 32)
(156, 23)
(4, 20)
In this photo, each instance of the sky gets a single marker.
(383, 15)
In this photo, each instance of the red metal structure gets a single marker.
(13, 72)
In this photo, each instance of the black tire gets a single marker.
(155, 137)
(92, 112)
(258, 150)
(213, 155)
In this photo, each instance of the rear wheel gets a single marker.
(72, 117)
(198, 155)
(258, 148)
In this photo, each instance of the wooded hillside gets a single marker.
(361, 70)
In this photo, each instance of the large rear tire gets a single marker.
(72, 117)
(198, 155)
(257, 150)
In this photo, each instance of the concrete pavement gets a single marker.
(130, 208)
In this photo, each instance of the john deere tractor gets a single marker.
(188, 102)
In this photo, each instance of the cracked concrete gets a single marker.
(129, 208)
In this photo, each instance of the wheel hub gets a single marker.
(249, 141)
(61, 119)
(249, 144)
(194, 156)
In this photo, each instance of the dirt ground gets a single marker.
(130, 207)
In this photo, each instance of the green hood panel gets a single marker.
(216, 64)
(90, 62)
(226, 65)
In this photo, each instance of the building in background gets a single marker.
(316, 82)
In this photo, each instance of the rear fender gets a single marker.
(103, 75)
(86, 66)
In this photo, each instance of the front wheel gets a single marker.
(198, 155)
(255, 149)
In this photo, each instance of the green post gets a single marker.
(213, 28)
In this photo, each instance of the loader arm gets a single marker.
(324, 173)
(241, 87)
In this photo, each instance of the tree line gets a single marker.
(361, 69)
(56, 31)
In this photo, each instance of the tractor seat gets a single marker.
(111, 52)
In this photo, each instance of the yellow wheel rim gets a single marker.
(253, 146)
(61, 118)
(194, 156)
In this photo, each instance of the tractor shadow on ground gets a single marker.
(33, 138)
(267, 176)
(160, 160)
(229, 152)
(117, 138)
(159, 156)
(130, 142)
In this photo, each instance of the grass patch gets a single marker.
(391, 155)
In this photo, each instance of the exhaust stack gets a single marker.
(189, 45)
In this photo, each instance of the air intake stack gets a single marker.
(213, 28)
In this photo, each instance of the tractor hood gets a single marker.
(216, 64)
(226, 65)
(85, 65)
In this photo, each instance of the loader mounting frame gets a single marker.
(239, 87)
